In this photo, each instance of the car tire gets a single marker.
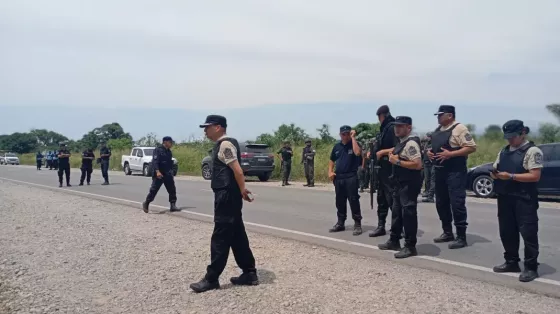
(127, 170)
(206, 172)
(265, 176)
(483, 186)
(146, 170)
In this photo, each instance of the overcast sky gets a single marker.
(214, 55)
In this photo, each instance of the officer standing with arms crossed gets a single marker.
(516, 174)
(429, 173)
(308, 161)
(49, 160)
(285, 153)
(63, 164)
(228, 184)
(346, 155)
(162, 169)
(385, 144)
(407, 183)
(451, 144)
(105, 155)
(87, 166)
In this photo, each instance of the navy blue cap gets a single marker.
(383, 110)
(445, 109)
(403, 120)
(345, 128)
(513, 128)
(215, 120)
(167, 139)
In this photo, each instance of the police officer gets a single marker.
(63, 164)
(55, 160)
(451, 144)
(308, 161)
(49, 160)
(285, 153)
(228, 184)
(105, 155)
(385, 144)
(407, 183)
(346, 155)
(162, 173)
(429, 173)
(87, 166)
(516, 175)
(39, 159)
(363, 172)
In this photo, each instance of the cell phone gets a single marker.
(250, 196)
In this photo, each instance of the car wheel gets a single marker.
(146, 170)
(265, 176)
(206, 172)
(483, 186)
(126, 169)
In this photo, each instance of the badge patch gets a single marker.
(468, 137)
(350, 151)
(228, 154)
(538, 158)
(412, 151)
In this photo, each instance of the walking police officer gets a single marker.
(429, 173)
(286, 154)
(63, 164)
(87, 166)
(105, 155)
(385, 144)
(406, 159)
(451, 144)
(308, 160)
(162, 173)
(228, 184)
(346, 155)
(516, 174)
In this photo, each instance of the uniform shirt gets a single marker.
(63, 161)
(87, 162)
(227, 153)
(345, 159)
(460, 137)
(411, 150)
(162, 160)
(103, 151)
(308, 154)
(286, 154)
(533, 158)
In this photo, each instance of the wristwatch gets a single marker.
(512, 176)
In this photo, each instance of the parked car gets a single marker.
(140, 160)
(9, 159)
(256, 160)
(480, 182)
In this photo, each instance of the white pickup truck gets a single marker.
(9, 159)
(140, 160)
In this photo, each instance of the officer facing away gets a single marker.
(363, 172)
(63, 164)
(49, 160)
(429, 173)
(406, 159)
(285, 153)
(385, 144)
(516, 174)
(162, 173)
(451, 144)
(228, 184)
(105, 155)
(87, 166)
(39, 159)
(308, 161)
(55, 160)
(346, 155)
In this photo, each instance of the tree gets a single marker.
(554, 109)
(104, 133)
(290, 133)
(366, 131)
(493, 132)
(325, 134)
(549, 133)
(48, 139)
(267, 139)
(120, 143)
(21, 143)
(149, 140)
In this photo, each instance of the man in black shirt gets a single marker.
(286, 154)
(346, 156)
(87, 166)
(162, 168)
(63, 164)
(105, 154)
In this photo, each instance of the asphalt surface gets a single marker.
(306, 214)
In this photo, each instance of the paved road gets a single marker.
(308, 214)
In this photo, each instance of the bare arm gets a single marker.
(331, 166)
(412, 164)
(355, 147)
(238, 173)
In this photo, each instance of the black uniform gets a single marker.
(105, 163)
(163, 162)
(346, 184)
(308, 160)
(286, 153)
(429, 175)
(39, 159)
(63, 166)
(87, 166)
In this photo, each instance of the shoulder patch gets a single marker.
(468, 137)
(228, 154)
(538, 158)
(412, 151)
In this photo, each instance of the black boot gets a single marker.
(459, 243)
(246, 279)
(338, 227)
(529, 274)
(393, 245)
(174, 208)
(507, 267)
(379, 231)
(81, 184)
(357, 228)
(145, 206)
(445, 237)
(105, 183)
(406, 252)
(204, 285)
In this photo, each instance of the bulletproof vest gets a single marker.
(512, 162)
(403, 174)
(386, 140)
(308, 150)
(222, 174)
(440, 139)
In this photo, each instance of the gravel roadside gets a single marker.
(67, 254)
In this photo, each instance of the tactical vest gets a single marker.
(403, 174)
(384, 142)
(512, 162)
(440, 139)
(222, 175)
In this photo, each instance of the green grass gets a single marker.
(189, 157)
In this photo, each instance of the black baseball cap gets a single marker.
(167, 139)
(403, 120)
(513, 128)
(345, 129)
(215, 120)
(445, 109)
(307, 140)
(383, 110)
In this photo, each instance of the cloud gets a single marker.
(224, 54)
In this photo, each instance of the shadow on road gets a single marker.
(428, 250)
(545, 269)
(473, 238)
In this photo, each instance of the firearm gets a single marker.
(374, 170)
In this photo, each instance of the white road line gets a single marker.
(311, 235)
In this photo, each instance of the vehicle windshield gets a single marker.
(11, 155)
(148, 152)
(257, 148)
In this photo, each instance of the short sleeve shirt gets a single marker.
(533, 158)
(411, 151)
(460, 137)
(344, 158)
(227, 152)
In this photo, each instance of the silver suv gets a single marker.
(9, 159)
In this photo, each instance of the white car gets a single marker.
(9, 159)
(140, 160)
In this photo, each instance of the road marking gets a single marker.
(311, 235)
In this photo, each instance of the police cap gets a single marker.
(514, 128)
(167, 139)
(307, 140)
(383, 110)
(215, 120)
(345, 129)
(445, 109)
(403, 120)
